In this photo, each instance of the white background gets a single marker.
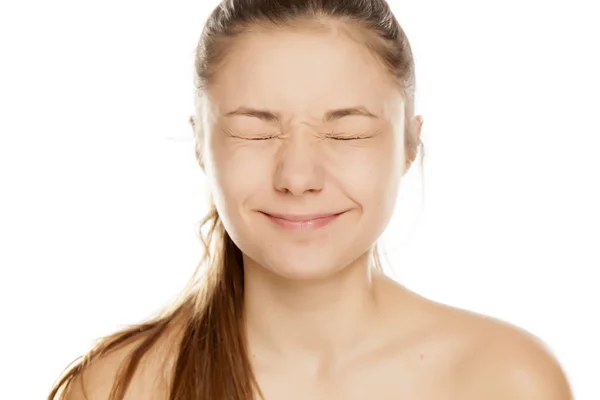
(100, 193)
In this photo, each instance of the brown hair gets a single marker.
(211, 362)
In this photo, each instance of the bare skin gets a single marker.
(427, 351)
(321, 323)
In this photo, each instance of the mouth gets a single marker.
(302, 222)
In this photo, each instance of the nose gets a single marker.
(298, 169)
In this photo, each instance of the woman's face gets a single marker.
(278, 155)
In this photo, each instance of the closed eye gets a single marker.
(337, 136)
(264, 137)
(261, 138)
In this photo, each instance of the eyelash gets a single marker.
(328, 136)
(261, 138)
(332, 136)
(231, 134)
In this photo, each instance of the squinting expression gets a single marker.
(303, 150)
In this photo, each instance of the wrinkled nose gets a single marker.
(298, 169)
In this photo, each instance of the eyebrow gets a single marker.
(328, 116)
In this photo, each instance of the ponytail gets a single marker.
(212, 361)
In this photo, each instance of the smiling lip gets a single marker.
(302, 222)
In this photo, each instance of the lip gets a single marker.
(302, 222)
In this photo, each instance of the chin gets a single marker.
(311, 254)
(302, 273)
(303, 266)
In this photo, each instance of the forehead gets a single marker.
(302, 74)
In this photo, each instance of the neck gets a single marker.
(321, 319)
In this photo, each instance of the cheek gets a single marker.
(236, 169)
(372, 181)
(369, 172)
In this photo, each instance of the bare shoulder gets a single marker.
(149, 381)
(96, 379)
(503, 361)
(478, 356)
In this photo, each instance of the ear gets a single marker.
(413, 141)
(198, 139)
(418, 121)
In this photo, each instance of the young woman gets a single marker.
(305, 126)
